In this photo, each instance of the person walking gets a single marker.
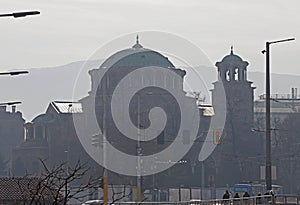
(273, 196)
(236, 199)
(246, 194)
(246, 198)
(258, 198)
(270, 197)
(226, 197)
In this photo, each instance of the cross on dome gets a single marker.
(137, 44)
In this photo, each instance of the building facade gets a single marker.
(11, 134)
(236, 158)
(52, 136)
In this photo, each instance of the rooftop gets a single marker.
(136, 57)
(64, 107)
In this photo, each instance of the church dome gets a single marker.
(136, 57)
(232, 57)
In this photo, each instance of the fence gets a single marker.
(258, 200)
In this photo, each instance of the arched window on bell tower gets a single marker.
(232, 68)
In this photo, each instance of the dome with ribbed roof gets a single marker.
(136, 57)
(232, 57)
(232, 68)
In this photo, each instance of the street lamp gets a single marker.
(268, 120)
(21, 14)
(10, 103)
(14, 73)
(18, 15)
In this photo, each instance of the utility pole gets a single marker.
(268, 121)
(139, 178)
(268, 115)
(105, 174)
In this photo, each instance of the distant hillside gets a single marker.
(280, 83)
(43, 85)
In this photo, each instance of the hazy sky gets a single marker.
(71, 30)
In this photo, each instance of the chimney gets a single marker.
(13, 109)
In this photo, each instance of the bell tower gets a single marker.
(232, 68)
(232, 76)
(237, 141)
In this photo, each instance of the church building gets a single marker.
(236, 158)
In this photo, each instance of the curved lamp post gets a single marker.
(21, 14)
(18, 15)
(14, 73)
(10, 103)
(268, 119)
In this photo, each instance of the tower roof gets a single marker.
(232, 56)
(136, 56)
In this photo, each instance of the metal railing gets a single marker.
(257, 200)
(280, 97)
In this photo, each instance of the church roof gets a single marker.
(136, 57)
(42, 118)
(64, 107)
(232, 56)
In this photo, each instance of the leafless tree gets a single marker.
(62, 183)
(70, 182)
(118, 195)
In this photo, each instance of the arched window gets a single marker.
(236, 74)
(227, 75)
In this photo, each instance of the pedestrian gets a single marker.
(246, 200)
(236, 199)
(258, 198)
(273, 196)
(268, 197)
(226, 196)
(246, 194)
(236, 196)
